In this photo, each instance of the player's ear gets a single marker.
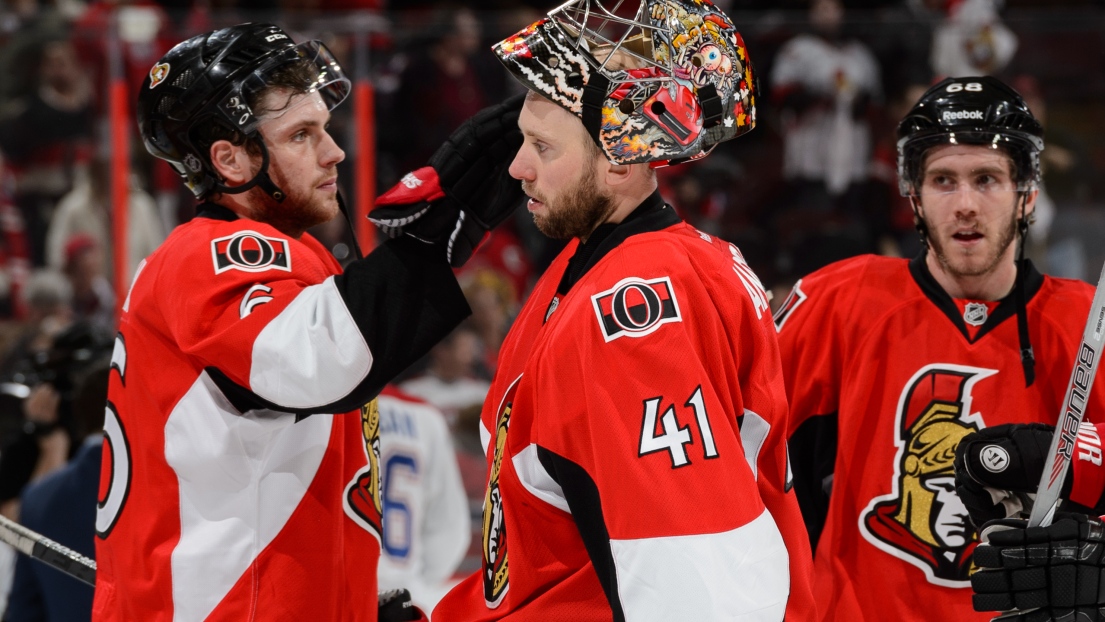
(231, 162)
(616, 174)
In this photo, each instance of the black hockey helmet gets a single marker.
(974, 111)
(216, 78)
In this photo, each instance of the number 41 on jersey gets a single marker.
(673, 438)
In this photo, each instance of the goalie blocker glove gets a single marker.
(997, 471)
(465, 191)
(1041, 574)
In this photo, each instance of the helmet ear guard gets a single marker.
(664, 84)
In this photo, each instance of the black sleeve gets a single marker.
(404, 298)
(812, 450)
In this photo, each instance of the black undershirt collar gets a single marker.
(1007, 306)
(215, 211)
(651, 215)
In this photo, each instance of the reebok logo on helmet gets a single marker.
(952, 116)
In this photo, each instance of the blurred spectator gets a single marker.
(972, 40)
(1062, 161)
(25, 27)
(15, 257)
(144, 34)
(48, 298)
(93, 297)
(47, 135)
(444, 82)
(62, 507)
(892, 217)
(87, 209)
(51, 429)
(504, 254)
(494, 302)
(426, 524)
(826, 87)
(449, 381)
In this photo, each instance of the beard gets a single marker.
(300, 210)
(574, 213)
(977, 264)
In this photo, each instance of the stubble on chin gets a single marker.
(294, 214)
(974, 264)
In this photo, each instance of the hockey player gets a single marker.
(1042, 574)
(426, 523)
(634, 428)
(229, 490)
(904, 358)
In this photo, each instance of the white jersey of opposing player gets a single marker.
(426, 523)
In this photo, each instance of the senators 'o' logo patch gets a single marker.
(250, 251)
(635, 307)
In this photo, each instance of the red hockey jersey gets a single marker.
(635, 441)
(220, 497)
(907, 372)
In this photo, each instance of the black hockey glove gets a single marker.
(997, 471)
(396, 606)
(465, 191)
(1041, 574)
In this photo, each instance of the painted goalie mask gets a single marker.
(664, 84)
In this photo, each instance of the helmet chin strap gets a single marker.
(922, 228)
(1028, 359)
(261, 179)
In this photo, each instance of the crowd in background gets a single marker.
(815, 182)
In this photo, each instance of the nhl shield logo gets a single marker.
(158, 73)
(975, 313)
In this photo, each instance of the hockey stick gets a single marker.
(1086, 359)
(47, 551)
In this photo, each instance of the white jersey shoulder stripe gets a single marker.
(313, 337)
(240, 477)
(696, 577)
(537, 480)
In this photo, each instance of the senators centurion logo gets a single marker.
(158, 73)
(923, 521)
(496, 576)
(635, 307)
(250, 251)
(361, 500)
